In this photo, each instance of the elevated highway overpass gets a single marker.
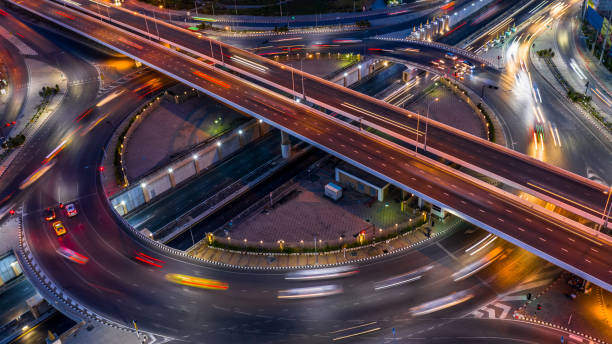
(565, 243)
(547, 182)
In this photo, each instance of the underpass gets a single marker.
(505, 214)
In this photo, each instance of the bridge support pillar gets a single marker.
(171, 176)
(420, 202)
(145, 192)
(285, 145)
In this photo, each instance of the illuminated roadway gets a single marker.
(122, 289)
(552, 184)
(115, 285)
(506, 215)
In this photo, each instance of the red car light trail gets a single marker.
(211, 79)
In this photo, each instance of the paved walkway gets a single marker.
(358, 254)
(310, 214)
(40, 74)
(99, 334)
(173, 128)
(590, 313)
(450, 110)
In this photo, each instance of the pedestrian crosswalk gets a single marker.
(504, 306)
(119, 82)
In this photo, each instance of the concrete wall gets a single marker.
(357, 72)
(358, 185)
(186, 166)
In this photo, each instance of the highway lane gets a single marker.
(77, 168)
(318, 19)
(78, 97)
(481, 205)
(556, 185)
(116, 285)
(564, 42)
(165, 210)
(16, 90)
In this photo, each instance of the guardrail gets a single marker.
(203, 209)
(35, 273)
(440, 46)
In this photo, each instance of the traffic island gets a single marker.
(354, 228)
(580, 313)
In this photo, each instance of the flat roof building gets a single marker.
(351, 177)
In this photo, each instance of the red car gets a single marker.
(49, 214)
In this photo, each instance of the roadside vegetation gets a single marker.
(325, 247)
(579, 98)
(545, 53)
(46, 93)
(265, 7)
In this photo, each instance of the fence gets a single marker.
(185, 166)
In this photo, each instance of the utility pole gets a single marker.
(427, 123)
(156, 28)
(302, 72)
(416, 146)
(147, 25)
(604, 219)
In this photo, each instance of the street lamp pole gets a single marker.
(156, 28)
(315, 247)
(292, 80)
(416, 146)
(147, 25)
(427, 123)
(196, 7)
(221, 50)
(604, 219)
(302, 72)
(108, 14)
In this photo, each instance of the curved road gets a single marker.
(113, 283)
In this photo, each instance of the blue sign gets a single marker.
(594, 18)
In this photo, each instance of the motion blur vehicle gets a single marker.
(71, 210)
(310, 292)
(440, 64)
(59, 228)
(71, 255)
(49, 214)
(326, 273)
(538, 133)
(469, 66)
(450, 56)
(197, 282)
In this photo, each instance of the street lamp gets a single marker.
(605, 219)
(156, 28)
(427, 123)
(146, 24)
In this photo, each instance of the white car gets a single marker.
(71, 210)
